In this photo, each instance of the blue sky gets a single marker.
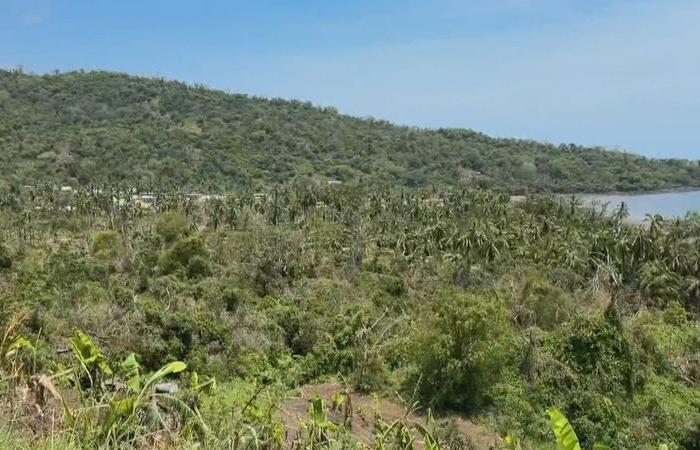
(618, 73)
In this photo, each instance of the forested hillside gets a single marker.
(79, 128)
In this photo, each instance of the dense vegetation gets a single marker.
(79, 128)
(462, 301)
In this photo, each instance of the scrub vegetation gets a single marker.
(188, 322)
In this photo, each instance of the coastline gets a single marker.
(637, 203)
(678, 190)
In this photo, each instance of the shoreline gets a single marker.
(679, 190)
(579, 195)
(646, 199)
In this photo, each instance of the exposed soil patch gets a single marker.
(365, 407)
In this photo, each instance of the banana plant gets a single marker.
(202, 384)
(14, 346)
(563, 431)
(92, 362)
(566, 436)
(125, 411)
(141, 390)
(320, 428)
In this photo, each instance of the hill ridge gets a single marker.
(97, 126)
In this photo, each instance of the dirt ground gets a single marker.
(364, 408)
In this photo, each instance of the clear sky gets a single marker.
(617, 73)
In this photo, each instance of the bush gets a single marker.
(597, 418)
(541, 304)
(233, 297)
(66, 269)
(189, 255)
(672, 413)
(107, 244)
(598, 347)
(463, 350)
(198, 267)
(520, 416)
(5, 259)
(394, 286)
(172, 226)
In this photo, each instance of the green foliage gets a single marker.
(187, 255)
(5, 258)
(597, 345)
(541, 304)
(131, 372)
(14, 347)
(124, 411)
(320, 430)
(99, 127)
(172, 226)
(462, 350)
(93, 363)
(564, 433)
(107, 244)
(660, 283)
(232, 298)
(461, 301)
(673, 412)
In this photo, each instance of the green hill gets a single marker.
(99, 127)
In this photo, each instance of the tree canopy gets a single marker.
(86, 127)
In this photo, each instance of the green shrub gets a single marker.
(189, 255)
(597, 347)
(67, 268)
(172, 226)
(541, 304)
(233, 298)
(518, 408)
(394, 286)
(107, 244)
(462, 350)
(198, 267)
(5, 259)
(598, 418)
(667, 412)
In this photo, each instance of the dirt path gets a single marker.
(364, 407)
